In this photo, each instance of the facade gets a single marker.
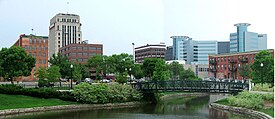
(37, 46)
(243, 41)
(184, 48)
(149, 51)
(228, 65)
(81, 52)
(169, 53)
(64, 29)
(223, 47)
(200, 70)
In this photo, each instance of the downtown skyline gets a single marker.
(118, 23)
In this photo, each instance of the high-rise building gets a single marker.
(149, 51)
(169, 53)
(243, 41)
(184, 48)
(37, 46)
(64, 29)
(223, 47)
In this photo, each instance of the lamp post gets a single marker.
(133, 51)
(71, 76)
(262, 65)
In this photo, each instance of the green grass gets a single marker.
(269, 111)
(20, 101)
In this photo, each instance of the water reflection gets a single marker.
(176, 108)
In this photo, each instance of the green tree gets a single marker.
(137, 71)
(98, 63)
(160, 71)
(148, 66)
(187, 74)
(63, 63)
(53, 74)
(265, 73)
(245, 71)
(175, 68)
(121, 77)
(42, 75)
(77, 72)
(15, 62)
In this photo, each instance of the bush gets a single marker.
(36, 92)
(263, 87)
(104, 93)
(268, 97)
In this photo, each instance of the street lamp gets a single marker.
(71, 76)
(133, 51)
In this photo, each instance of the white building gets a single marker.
(64, 29)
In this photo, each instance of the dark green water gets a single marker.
(176, 108)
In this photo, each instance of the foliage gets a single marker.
(98, 63)
(245, 71)
(263, 87)
(121, 77)
(175, 68)
(77, 74)
(15, 62)
(53, 74)
(63, 63)
(20, 101)
(263, 74)
(149, 65)
(103, 93)
(187, 74)
(35, 92)
(137, 71)
(160, 71)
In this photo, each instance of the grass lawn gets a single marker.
(269, 111)
(20, 101)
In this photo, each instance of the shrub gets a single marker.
(268, 97)
(104, 93)
(263, 87)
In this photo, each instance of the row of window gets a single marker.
(82, 54)
(38, 54)
(149, 50)
(148, 54)
(224, 59)
(80, 60)
(220, 67)
(203, 69)
(81, 48)
(34, 41)
(35, 47)
(67, 20)
(41, 61)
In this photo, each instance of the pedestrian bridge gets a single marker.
(190, 86)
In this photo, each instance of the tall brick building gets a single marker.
(149, 51)
(37, 46)
(228, 65)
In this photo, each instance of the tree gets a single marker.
(98, 63)
(42, 75)
(187, 74)
(121, 77)
(245, 71)
(137, 71)
(15, 62)
(265, 73)
(53, 74)
(77, 72)
(160, 71)
(175, 68)
(63, 63)
(148, 66)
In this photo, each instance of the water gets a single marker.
(176, 108)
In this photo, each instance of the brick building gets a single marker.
(228, 65)
(149, 51)
(81, 52)
(37, 46)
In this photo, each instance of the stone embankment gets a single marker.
(65, 107)
(169, 96)
(249, 112)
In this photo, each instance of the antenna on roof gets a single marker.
(67, 7)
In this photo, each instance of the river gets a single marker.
(175, 108)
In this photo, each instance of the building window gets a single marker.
(85, 48)
(79, 54)
(99, 48)
(73, 48)
(79, 48)
(30, 47)
(34, 47)
(57, 27)
(85, 54)
(26, 47)
(73, 54)
(34, 54)
(44, 54)
(58, 34)
(92, 54)
(59, 39)
(93, 48)
(45, 48)
(30, 40)
(44, 61)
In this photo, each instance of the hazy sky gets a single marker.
(118, 23)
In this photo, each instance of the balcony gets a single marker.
(232, 61)
(244, 59)
(212, 61)
(232, 69)
(213, 70)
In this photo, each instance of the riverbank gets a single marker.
(178, 94)
(65, 107)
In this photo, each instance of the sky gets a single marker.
(118, 23)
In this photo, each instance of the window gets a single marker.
(92, 54)
(57, 27)
(34, 54)
(34, 40)
(79, 54)
(73, 54)
(45, 48)
(44, 54)
(85, 48)
(93, 48)
(79, 35)
(58, 34)
(73, 48)
(39, 48)
(79, 48)
(30, 40)
(57, 19)
(30, 47)
(34, 47)
(99, 48)
(40, 61)
(26, 47)
(85, 54)
(44, 61)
